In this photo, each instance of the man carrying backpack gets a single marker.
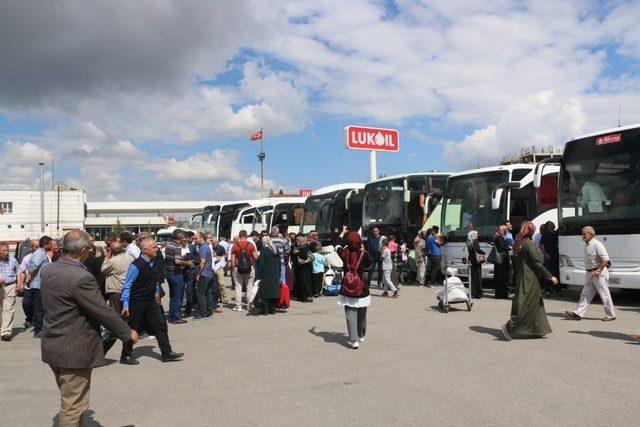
(243, 254)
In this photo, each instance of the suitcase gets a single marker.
(285, 298)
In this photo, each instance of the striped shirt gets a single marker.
(282, 245)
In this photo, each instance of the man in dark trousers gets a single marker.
(141, 298)
(73, 311)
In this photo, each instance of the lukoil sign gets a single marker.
(366, 138)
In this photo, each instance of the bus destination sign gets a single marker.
(609, 139)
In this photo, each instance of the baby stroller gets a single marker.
(453, 292)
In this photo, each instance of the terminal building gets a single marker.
(67, 208)
(21, 216)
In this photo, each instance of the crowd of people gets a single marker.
(116, 291)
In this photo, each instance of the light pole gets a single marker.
(41, 197)
(261, 157)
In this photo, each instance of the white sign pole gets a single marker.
(372, 165)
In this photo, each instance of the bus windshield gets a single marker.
(467, 205)
(317, 213)
(210, 218)
(383, 202)
(600, 184)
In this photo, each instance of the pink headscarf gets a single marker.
(527, 230)
(500, 231)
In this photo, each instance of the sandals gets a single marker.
(572, 315)
(608, 319)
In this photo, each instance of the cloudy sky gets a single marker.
(155, 99)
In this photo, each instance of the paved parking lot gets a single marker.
(418, 366)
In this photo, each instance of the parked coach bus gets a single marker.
(599, 185)
(329, 208)
(482, 199)
(402, 204)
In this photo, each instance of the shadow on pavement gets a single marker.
(564, 316)
(605, 334)
(87, 420)
(494, 332)
(145, 350)
(333, 337)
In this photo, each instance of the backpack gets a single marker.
(244, 263)
(352, 284)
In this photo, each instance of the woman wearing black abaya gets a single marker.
(304, 271)
(502, 266)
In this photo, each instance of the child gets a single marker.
(387, 266)
(318, 270)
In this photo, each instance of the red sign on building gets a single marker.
(365, 138)
(304, 192)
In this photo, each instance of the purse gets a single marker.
(480, 258)
(496, 257)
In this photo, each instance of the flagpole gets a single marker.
(261, 157)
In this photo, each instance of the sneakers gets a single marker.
(355, 345)
(146, 336)
(361, 339)
(505, 332)
(608, 319)
(237, 308)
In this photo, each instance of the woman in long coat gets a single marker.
(528, 317)
(475, 267)
(501, 271)
(268, 272)
(304, 272)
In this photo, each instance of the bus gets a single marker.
(599, 186)
(482, 199)
(328, 209)
(283, 212)
(218, 218)
(402, 204)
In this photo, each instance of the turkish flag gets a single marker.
(256, 136)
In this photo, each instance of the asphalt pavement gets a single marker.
(418, 366)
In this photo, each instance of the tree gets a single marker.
(118, 228)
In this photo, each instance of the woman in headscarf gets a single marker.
(502, 268)
(268, 272)
(304, 270)
(475, 266)
(355, 307)
(528, 317)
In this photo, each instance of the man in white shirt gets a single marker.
(596, 261)
(27, 298)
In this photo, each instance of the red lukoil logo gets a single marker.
(609, 139)
(364, 138)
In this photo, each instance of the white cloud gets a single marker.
(200, 167)
(540, 120)
(249, 189)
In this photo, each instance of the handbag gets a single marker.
(496, 257)
(480, 258)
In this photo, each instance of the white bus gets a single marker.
(482, 199)
(600, 186)
(283, 212)
(218, 218)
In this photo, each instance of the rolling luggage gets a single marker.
(285, 298)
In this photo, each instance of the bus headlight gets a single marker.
(565, 261)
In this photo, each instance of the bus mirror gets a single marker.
(427, 204)
(407, 196)
(539, 170)
(495, 198)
